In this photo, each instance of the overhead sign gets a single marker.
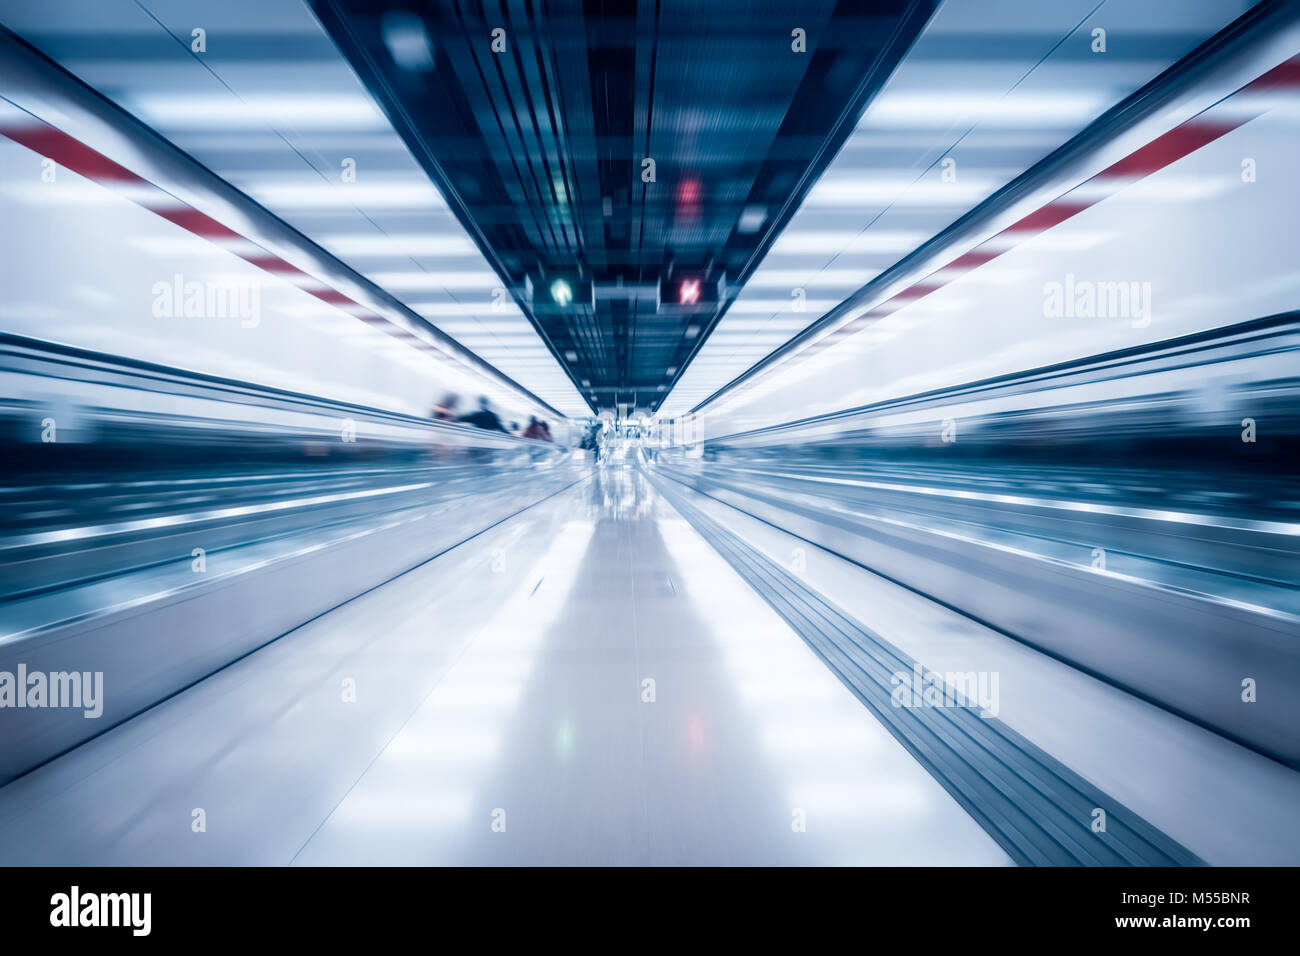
(559, 291)
(690, 291)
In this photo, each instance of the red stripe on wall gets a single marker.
(1183, 140)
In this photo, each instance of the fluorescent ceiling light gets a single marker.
(746, 335)
(943, 108)
(802, 278)
(320, 111)
(487, 310)
(841, 240)
(407, 41)
(743, 306)
(399, 245)
(864, 189)
(751, 220)
(324, 195)
(519, 337)
(463, 328)
(435, 280)
(754, 325)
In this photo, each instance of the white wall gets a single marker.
(80, 264)
(1214, 249)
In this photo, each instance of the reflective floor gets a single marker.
(588, 683)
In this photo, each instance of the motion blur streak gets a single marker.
(651, 436)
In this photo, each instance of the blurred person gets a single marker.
(445, 410)
(484, 418)
(592, 441)
(537, 430)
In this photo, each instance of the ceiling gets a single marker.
(986, 92)
(270, 105)
(796, 176)
(538, 142)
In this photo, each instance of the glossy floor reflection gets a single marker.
(588, 684)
